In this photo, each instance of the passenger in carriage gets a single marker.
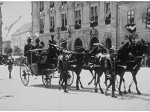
(52, 51)
(36, 55)
(42, 44)
(28, 47)
(37, 46)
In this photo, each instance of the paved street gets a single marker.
(15, 96)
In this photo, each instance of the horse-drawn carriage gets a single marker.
(40, 65)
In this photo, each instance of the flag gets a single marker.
(8, 28)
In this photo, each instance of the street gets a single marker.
(14, 96)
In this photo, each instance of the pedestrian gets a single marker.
(10, 63)
(64, 75)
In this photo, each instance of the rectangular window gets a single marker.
(143, 17)
(41, 25)
(63, 3)
(77, 19)
(94, 16)
(130, 17)
(41, 6)
(94, 13)
(107, 13)
(51, 4)
(148, 15)
(64, 22)
(52, 24)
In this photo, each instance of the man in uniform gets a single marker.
(28, 47)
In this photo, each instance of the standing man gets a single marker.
(10, 63)
(28, 47)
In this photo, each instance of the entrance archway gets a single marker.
(93, 40)
(78, 44)
(108, 43)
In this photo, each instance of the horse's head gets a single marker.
(141, 48)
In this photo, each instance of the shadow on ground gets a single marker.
(128, 96)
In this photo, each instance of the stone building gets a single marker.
(19, 38)
(1, 42)
(82, 23)
(133, 19)
(75, 24)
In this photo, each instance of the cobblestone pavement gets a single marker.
(15, 96)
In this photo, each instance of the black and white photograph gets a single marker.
(74, 55)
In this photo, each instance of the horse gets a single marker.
(129, 58)
(96, 60)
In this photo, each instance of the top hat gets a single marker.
(29, 39)
(37, 40)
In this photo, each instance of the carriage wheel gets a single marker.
(46, 78)
(70, 78)
(24, 74)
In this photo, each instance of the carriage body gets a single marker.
(39, 65)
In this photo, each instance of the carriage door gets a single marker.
(108, 43)
(78, 44)
(93, 40)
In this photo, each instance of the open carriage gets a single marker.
(40, 66)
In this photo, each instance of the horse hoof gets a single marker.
(113, 96)
(81, 86)
(65, 91)
(139, 93)
(125, 92)
(120, 93)
(77, 88)
(102, 92)
(129, 91)
(96, 90)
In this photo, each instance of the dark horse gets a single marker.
(98, 60)
(129, 58)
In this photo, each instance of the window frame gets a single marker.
(130, 15)
(41, 6)
(41, 25)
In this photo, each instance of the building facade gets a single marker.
(1, 42)
(19, 38)
(133, 19)
(75, 24)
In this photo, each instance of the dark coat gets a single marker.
(27, 53)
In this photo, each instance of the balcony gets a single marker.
(41, 31)
(63, 28)
(93, 24)
(52, 30)
(77, 26)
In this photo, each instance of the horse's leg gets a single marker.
(129, 90)
(99, 74)
(135, 81)
(119, 89)
(80, 83)
(78, 71)
(125, 92)
(92, 77)
(113, 83)
(65, 81)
